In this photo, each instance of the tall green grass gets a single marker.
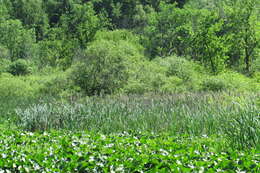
(235, 117)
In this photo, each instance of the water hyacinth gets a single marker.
(58, 151)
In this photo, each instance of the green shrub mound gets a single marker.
(230, 81)
(19, 67)
(4, 64)
(105, 67)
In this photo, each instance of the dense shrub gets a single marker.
(59, 85)
(16, 87)
(19, 41)
(120, 35)
(188, 71)
(229, 81)
(256, 64)
(4, 64)
(167, 75)
(105, 66)
(256, 76)
(4, 52)
(145, 77)
(19, 67)
(214, 84)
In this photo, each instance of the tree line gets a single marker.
(216, 34)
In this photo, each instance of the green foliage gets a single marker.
(55, 50)
(32, 14)
(164, 75)
(182, 68)
(122, 152)
(167, 32)
(257, 76)
(105, 66)
(146, 77)
(4, 64)
(209, 44)
(19, 41)
(81, 23)
(214, 84)
(19, 67)
(3, 11)
(120, 35)
(229, 81)
(256, 64)
(57, 84)
(14, 87)
(4, 52)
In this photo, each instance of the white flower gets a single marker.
(103, 137)
(91, 158)
(202, 169)
(164, 152)
(4, 156)
(196, 152)
(178, 162)
(191, 166)
(100, 164)
(120, 168)
(109, 145)
(240, 171)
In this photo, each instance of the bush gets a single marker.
(19, 41)
(14, 87)
(59, 85)
(179, 66)
(256, 64)
(214, 84)
(256, 76)
(14, 91)
(105, 67)
(229, 81)
(4, 64)
(120, 35)
(146, 76)
(164, 75)
(19, 67)
(4, 52)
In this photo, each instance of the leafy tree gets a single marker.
(56, 50)
(123, 12)
(81, 24)
(32, 14)
(56, 8)
(4, 13)
(242, 24)
(106, 65)
(167, 32)
(239, 27)
(19, 41)
(209, 43)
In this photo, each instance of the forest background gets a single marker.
(62, 48)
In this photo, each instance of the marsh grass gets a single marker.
(234, 117)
